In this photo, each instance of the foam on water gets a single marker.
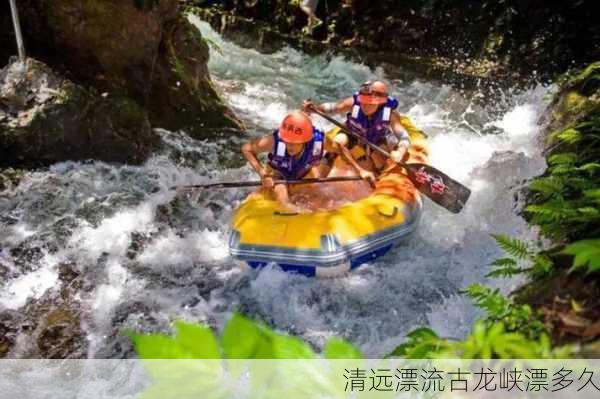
(151, 255)
(28, 286)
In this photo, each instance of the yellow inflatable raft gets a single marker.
(332, 241)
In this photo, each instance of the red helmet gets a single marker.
(373, 93)
(296, 128)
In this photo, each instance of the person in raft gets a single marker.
(370, 112)
(296, 150)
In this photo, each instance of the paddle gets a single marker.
(439, 187)
(237, 184)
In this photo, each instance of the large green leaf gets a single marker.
(197, 341)
(192, 341)
(156, 346)
(337, 348)
(287, 347)
(512, 246)
(586, 253)
(244, 339)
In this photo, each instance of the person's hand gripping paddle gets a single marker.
(431, 182)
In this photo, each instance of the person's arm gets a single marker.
(339, 107)
(251, 150)
(348, 157)
(333, 147)
(399, 152)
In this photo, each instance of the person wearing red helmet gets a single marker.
(295, 150)
(370, 112)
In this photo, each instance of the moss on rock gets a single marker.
(47, 119)
(129, 49)
(577, 100)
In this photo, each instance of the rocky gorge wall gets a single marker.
(507, 39)
(121, 67)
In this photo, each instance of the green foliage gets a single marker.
(567, 136)
(190, 342)
(241, 339)
(504, 267)
(564, 202)
(508, 331)
(586, 253)
(515, 318)
(494, 341)
(337, 348)
(213, 45)
(539, 264)
(513, 246)
(422, 343)
(542, 266)
(486, 341)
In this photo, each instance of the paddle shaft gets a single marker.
(256, 183)
(353, 134)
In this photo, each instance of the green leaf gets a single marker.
(197, 341)
(589, 212)
(504, 272)
(504, 267)
(192, 341)
(244, 339)
(594, 194)
(157, 346)
(569, 136)
(586, 253)
(542, 265)
(287, 347)
(512, 246)
(552, 212)
(490, 300)
(421, 343)
(546, 185)
(337, 348)
(590, 167)
(566, 158)
(561, 170)
(503, 262)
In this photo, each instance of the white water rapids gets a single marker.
(145, 257)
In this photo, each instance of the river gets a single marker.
(117, 250)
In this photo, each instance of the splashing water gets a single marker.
(143, 256)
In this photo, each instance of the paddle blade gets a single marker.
(439, 187)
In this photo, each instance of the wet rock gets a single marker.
(518, 40)
(139, 241)
(4, 272)
(27, 255)
(60, 335)
(10, 178)
(577, 99)
(67, 272)
(8, 332)
(51, 119)
(135, 316)
(51, 326)
(144, 51)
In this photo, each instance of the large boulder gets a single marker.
(144, 50)
(45, 118)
